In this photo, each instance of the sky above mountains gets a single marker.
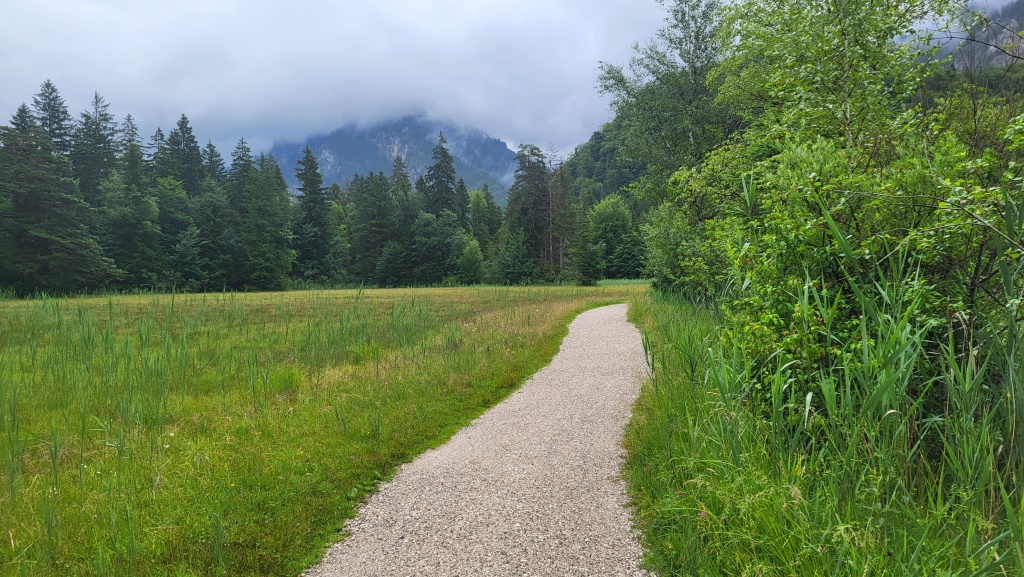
(523, 70)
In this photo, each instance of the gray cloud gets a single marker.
(523, 70)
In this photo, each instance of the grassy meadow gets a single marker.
(233, 434)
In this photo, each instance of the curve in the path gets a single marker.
(530, 488)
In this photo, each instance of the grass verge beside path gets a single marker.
(233, 434)
(727, 485)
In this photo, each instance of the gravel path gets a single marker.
(529, 488)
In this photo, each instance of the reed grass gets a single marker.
(743, 466)
(233, 434)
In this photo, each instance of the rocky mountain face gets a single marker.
(994, 41)
(479, 158)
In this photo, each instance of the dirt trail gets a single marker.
(529, 488)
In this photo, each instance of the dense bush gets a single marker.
(858, 409)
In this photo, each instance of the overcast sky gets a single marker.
(522, 70)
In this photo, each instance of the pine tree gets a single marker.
(528, 200)
(241, 175)
(94, 148)
(130, 234)
(241, 180)
(159, 153)
(213, 164)
(22, 119)
(266, 231)
(174, 216)
(461, 201)
(477, 218)
(437, 245)
(493, 216)
(372, 222)
(220, 251)
(401, 187)
(316, 240)
(512, 262)
(53, 117)
(47, 243)
(440, 181)
(184, 159)
(132, 161)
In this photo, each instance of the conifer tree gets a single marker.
(213, 163)
(461, 201)
(53, 117)
(240, 175)
(440, 181)
(22, 119)
(372, 222)
(94, 148)
(401, 187)
(132, 161)
(316, 240)
(127, 224)
(266, 232)
(47, 243)
(217, 248)
(240, 183)
(184, 158)
(158, 153)
(528, 199)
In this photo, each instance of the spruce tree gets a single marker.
(440, 181)
(266, 231)
(129, 231)
(316, 240)
(372, 222)
(94, 148)
(528, 200)
(132, 161)
(158, 154)
(221, 251)
(53, 117)
(401, 187)
(22, 118)
(213, 164)
(48, 245)
(240, 176)
(184, 158)
(461, 201)
(241, 181)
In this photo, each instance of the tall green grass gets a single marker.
(748, 466)
(233, 434)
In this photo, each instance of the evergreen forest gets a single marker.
(87, 205)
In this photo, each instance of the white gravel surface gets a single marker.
(530, 488)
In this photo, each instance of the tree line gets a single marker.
(87, 205)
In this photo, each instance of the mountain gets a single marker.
(994, 41)
(479, 158)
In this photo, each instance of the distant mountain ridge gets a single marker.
(998, 38)
(479, 158)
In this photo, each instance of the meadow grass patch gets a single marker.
(234, 433)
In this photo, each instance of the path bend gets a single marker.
(529, 488)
